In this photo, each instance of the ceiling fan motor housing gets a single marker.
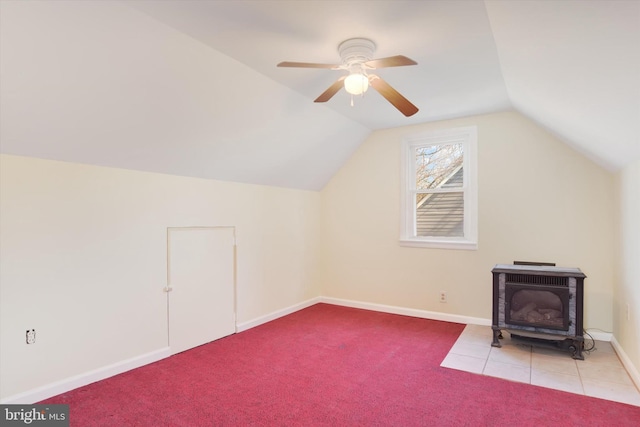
(356, 51)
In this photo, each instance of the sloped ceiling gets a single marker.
(574, 67)
(191, 87)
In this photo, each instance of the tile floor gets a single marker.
(600, 374)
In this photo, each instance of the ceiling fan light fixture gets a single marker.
(356, 84)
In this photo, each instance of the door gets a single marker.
(200, 285)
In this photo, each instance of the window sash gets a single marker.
(444, 219)
(409, 234)
(438, 160)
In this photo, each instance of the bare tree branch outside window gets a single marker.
(435, 164)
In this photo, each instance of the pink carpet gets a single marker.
(330, 366)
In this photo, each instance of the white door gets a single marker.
(200, 289)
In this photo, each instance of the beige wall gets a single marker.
(83, 248)
(83, 252)
(538, 200)
(627, 285)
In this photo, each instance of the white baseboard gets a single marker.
(626, 362)
(600, 335)
(276, 314)
(65, 385)
(433, 315)
(59, 387)
(68, 384)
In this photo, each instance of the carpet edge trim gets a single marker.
(49, 390)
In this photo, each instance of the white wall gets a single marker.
(627, 285)
(83, 260)
(538, 200)
(83, 248)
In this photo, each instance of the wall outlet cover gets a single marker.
(31, 336)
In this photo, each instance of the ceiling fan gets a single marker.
(356, 55)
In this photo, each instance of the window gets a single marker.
(439, 190)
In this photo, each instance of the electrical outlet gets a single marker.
(443, 296)
(31, 336)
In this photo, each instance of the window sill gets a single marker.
(440, 244)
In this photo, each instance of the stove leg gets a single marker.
(576, 350)
(497, 334)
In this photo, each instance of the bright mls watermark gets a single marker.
(34, 415)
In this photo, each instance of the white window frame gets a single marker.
(468, 137)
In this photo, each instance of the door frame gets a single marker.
(167, 289)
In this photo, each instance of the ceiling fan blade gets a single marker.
(333, 89)
(393, 96)
(392, 61)
(306, 65)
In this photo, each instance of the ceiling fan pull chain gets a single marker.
(352, 100)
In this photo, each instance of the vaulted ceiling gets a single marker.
(192, 88)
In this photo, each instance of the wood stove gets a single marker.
(539, 303)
